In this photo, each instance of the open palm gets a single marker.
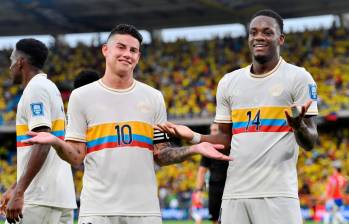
(40, 138)
(211, 151)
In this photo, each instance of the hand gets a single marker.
(296, 122)
(4, 200)
(40, 138)
(210, 150)
(14, 208)
(179, 131)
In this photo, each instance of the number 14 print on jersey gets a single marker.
(263, 119)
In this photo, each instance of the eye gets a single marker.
(134, 50)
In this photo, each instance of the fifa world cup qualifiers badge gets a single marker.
(37, 109)
(312, 91)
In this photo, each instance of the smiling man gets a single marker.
(110, 129)
(254, 116)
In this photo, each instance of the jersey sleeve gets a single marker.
(223, 109)
(160, 113)
(37, 106)
(305, 89)
(76, 120)
(160, 117)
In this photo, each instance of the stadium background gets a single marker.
(187, 72)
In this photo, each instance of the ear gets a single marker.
(139, 56)
(21, 62)
(282, 39)
(105, 49)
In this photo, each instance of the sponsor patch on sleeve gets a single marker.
(37, 109)
(312, 91)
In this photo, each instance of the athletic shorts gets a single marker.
(38, 214)
(215, 194)
(277, 210)
(120, 219)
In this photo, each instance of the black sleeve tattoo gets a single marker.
(165, 154)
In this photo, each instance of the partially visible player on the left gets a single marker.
(44, 192)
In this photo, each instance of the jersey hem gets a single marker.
(82, 214)
(40, 125)
(270, 195)
(49, 204)
(77, 139)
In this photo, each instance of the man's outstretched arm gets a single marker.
(165, 154)
(71, 151)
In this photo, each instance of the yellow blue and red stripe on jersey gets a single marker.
(263, 119)
(58, 127)
(122, 134)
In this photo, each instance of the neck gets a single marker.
(262, 68)
(27, 76)
(117, 81)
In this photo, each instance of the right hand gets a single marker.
(178, 131)
(4, 200)
(40, 138)
(14, 208)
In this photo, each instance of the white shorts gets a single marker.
(278, 210)
(120, 219)
(38, 214)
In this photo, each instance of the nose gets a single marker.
(259, 36)
(127, 53)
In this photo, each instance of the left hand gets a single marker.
(14, 208)
(296, 122)
(210, 150)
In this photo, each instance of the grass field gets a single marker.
(191, 222)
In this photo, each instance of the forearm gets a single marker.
(305, 136)
(170, 155)
(68, 152)
(37, 158)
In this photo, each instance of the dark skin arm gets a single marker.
(37, 158)
(164, 154)
(304, 127)
(71, 151)
(180, 131)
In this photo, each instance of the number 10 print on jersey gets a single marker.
(263, 119)
(122, 134)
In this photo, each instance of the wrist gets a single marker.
(196, 138)
(18, 192)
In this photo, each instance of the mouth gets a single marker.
(125, 62)
(259, 46)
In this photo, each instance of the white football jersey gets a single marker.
(263, 146)
(41, 105)
(117, 126)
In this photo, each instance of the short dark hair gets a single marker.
(272, 14)
(85, 77)
(36, 51)
(127, 29)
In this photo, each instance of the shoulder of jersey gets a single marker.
(234, 73)
(295, 68)
(146, 87)
(43, 83)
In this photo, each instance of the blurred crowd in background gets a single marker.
(187, 74)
